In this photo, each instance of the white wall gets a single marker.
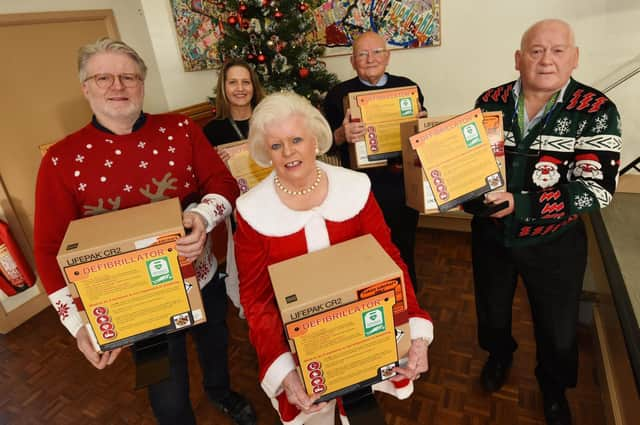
(181, 88)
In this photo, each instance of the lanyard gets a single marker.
(547, 108)
(237, 129)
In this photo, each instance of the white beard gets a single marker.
(545, 180)
(594, 174)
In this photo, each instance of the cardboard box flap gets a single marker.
(96, 231)
(329, 271)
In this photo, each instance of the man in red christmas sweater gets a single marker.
(125, 158)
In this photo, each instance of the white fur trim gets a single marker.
(232, 283)
(346, 197)
(279, 369)
(62, 299)
(421, 328)
(303, 418)
(316, 233)
(388, 388)
(207, 209)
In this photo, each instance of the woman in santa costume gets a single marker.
(303, 206)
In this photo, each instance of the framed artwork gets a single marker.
(404, 24)
(198, 27)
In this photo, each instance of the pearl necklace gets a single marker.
(304, 191)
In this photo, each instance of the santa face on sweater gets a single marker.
(117, 103)
(546, 173)
(588, 166)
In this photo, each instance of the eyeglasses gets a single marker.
(104, 81)
(363, 55)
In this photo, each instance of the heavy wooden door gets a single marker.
(40, 103)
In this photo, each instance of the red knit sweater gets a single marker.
(91, 172)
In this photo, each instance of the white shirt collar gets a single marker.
(381, 82)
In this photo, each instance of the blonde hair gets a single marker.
(277, 107)
(103, 45)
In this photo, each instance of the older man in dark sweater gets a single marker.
(370, 59)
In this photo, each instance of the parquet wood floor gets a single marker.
(45, 380)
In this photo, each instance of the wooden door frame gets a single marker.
(105, 15)
(32, 306)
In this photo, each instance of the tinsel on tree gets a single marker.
(274, 36)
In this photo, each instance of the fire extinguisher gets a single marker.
(15, 274)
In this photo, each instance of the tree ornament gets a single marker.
(245, 25)
(278, 15)
(242, 8)
(265, 3)
(251, 57)
(303, 73)
(232, 20)
(270, 44)
(302, 7)
(261, 58)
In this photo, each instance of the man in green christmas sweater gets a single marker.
(562, 156)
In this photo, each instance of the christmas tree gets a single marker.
(276, 37)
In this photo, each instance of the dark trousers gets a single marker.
(388, 189)
(170, 398)
(553, 274)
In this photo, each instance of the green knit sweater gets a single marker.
(566, 165)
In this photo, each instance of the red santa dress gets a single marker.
(269, 232)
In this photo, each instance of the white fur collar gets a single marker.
(262, 209)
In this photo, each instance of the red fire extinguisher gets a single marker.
(15, 274)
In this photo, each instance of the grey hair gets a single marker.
(103, 45)
(278, 106)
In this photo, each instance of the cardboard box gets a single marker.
(243, 168)
(382, 111)
(419, 195)
(417, 190)
(124, 267)
(344, 311)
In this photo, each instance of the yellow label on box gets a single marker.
(348, 345)
(457, 159)
(133, 293)
(382, 113)
(245, 170)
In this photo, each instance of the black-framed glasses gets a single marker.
(106, 80)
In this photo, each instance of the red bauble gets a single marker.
(261, 58)
(303, 73)
(251, 57)
(242, 8)
(265, 3)
(302, 7)
(245, 24)
(278, 15)
(232, 20)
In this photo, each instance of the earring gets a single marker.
(317, 151)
